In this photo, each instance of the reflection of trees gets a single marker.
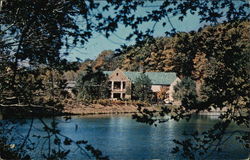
(187, 132)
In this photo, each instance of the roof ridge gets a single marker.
(159, 78)
(140, 72)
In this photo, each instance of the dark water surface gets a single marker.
(120, 137)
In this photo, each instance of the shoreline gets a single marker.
(100, 109)
(67, 110)
(79, 109)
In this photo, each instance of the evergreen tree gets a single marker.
(142, 88)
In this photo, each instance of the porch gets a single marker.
(118, 89)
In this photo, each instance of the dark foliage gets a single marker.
(93, 85)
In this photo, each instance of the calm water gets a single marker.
(120, 137)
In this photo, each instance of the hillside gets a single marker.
(177, 53)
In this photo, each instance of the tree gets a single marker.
(93, 85)
(185, 91)
(142, 88)
(162, 94)
(150, 55)
(32, 40)
(104, 60)
(180, 59)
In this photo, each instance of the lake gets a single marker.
(120, 137)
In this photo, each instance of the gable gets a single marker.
(116, 75)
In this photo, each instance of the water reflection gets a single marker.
(120, 137)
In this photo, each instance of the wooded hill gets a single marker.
(184, 53)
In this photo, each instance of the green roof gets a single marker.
(162, 78)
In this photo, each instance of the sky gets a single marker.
(99, 42)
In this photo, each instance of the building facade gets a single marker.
(121, 82)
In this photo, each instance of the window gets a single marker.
(116, 74)
(117, 85)
(117, 95)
